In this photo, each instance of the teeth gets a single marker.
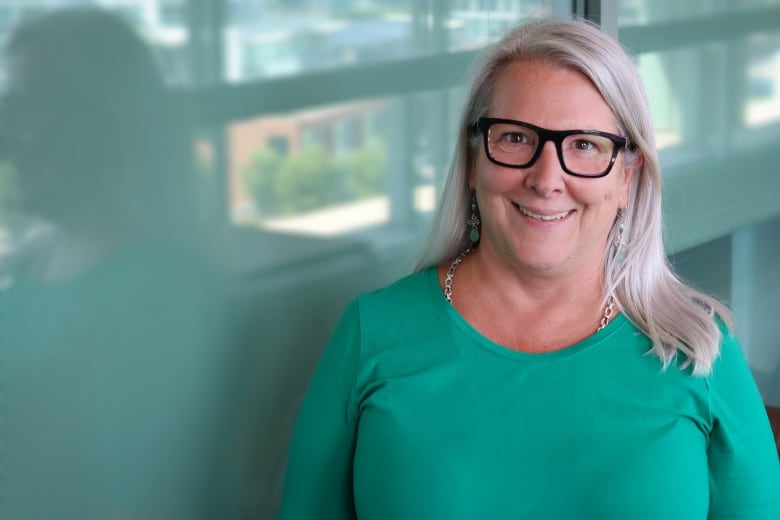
(543, 218)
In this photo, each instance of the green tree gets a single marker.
(260, 178)
(310, 180)
(365, 169)
(313, 178)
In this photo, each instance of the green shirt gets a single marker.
(413, 414)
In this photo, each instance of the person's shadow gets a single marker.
(114, 350)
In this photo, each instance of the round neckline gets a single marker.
(485, 343)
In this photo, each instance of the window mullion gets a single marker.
(206, 26)
(602, 12)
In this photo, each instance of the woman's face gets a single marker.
(513, 201)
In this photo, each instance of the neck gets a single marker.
(522, 310)
(521, 285)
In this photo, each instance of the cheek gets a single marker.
(589, 192)
(489, 178)
(599, 199)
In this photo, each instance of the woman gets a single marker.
(511, 378)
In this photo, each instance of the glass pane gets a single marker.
(702, 96)
(114, 345)
(267, 39)
(287, 38)
(475, 23)
(641, 12)
(755, 299)
(762, 96)
(434, 118)
(683, 86)
(270, 187)
(318, 171)
(161, 23)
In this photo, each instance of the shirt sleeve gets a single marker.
(318, 480)
(743, 464)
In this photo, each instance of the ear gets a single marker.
(630, 168)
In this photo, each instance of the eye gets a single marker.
(589, 144)
(515, 138)
(583, 145)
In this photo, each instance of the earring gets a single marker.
(473, 221)
(620, 243)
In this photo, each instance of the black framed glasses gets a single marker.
(517, 144)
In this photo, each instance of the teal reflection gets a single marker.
(114, 339)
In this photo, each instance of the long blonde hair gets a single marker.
(676, 317)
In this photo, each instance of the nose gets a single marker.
(546, 175)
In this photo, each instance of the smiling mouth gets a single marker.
(543, 218)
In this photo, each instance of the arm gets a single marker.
(743, 464)
(318, 481)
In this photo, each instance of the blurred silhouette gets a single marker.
(99, 146)
(115, 349)
(151, 366)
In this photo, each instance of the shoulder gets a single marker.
(405, 312)
(409, 295)
(744, 473)
(730, 361)
(731, 387)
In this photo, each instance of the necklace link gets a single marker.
(607, 313)
(451, 272)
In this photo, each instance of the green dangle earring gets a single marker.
(620, 242)
(473, 221)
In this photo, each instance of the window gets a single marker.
(272, 39)
(383, 79)
(323, 135)
(761, 105)
(318, 171)
(390, 146)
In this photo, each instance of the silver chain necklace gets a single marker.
(458, 259)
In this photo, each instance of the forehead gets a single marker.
(550, 96)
